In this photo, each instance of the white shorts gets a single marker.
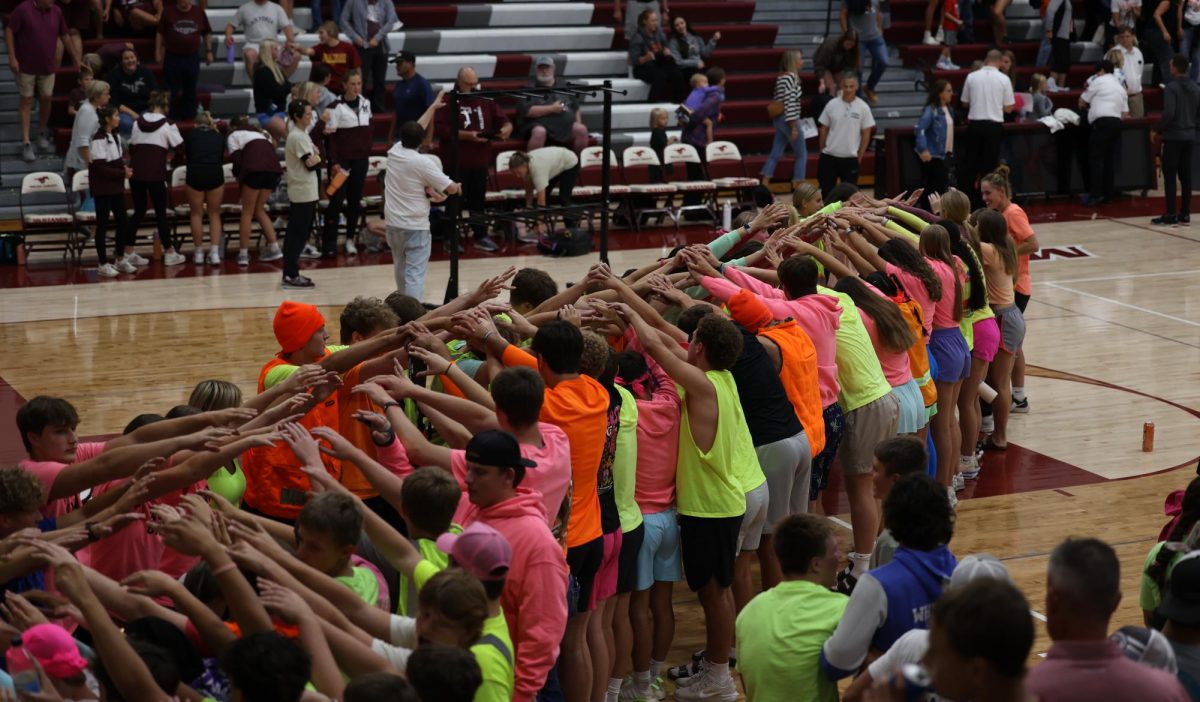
(755, 518)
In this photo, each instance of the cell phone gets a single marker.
(415, 369)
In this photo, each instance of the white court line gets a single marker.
(1125, 276)
(1125, 304)
(841, 523)
(1037, 615)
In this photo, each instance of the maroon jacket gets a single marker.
(151, 143)
(106, 172)
(352, 135)
(254, 156)
(476, 115)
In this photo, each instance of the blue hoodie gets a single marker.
(887, 602)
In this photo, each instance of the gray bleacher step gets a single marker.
(489, 40)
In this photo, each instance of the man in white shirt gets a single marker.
(412, 179)
(540, 170)
(1135, 64)
(1107, 103)
(844, 134)
(260, 20)
(988, 95)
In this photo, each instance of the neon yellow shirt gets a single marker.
(859, 373)
(625, 464)
(710, 484)
(363, 583)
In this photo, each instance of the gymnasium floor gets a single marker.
(1113, 341)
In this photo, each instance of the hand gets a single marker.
(188, 536)
(321, 481)
(303, 377)
(600, 274)
(492, 287)
(302, 444)
(208, 57)
(13, 65)
(383, 389)
(232, 417)
(228, 37)
(767, 216)
(197, 508)
(128, 173)
(151, 583)
(935, 203)
(434, 363)
(716, 36)
(339, 446)
(53, 555)
(700, 65)
(257, 537)
(376, 422)
(914, 196)
(373, 43)
(358, 42)
(115, 523)
(285, 604)
(47, 692)
(18, 612)
(328, 385)
(570, 314)
(471, 136)
(218, 503)
(250, 559)
(925, 156)
(795, 135)
(206, 439)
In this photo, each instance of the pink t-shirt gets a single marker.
(551, 478)
(658, 441)
(943, 311)
(895, 365)
(916, 289)
(47, 471)
(1020, 230)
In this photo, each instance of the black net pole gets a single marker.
(605, 174)
(455, 209)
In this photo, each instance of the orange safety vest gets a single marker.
(799, 375)
(918, 353)
(356, 432)
(275, 485)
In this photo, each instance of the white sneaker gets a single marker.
(126, 266)
(272, 253)
(198, 257)
(214, 255)
(244, 257)
(945, 64)
(658, 689)
(959, 482)
(953, 497)
(351, 248)
(708, 687)
(107, 270)
(988, 425)
(928, 40)
(137, 260)
(972, 472)
(173, 259)
(310, 252)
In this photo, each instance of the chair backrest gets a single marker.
(722, 151)
(43, 183)
(179, 177)
(502, 160)
(681, 153)
(591, 164)
(375, 164)
(227, 169)
(80, 182)
(636, 162)
(505, 179)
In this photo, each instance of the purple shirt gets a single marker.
(1085, 671)
(35, 32)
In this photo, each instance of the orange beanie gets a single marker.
(295, 323)
(749, 311)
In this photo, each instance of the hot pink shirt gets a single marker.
(917, 291)
(818, 315)
(550, 478)
(943, 311)
(47, 471)
(895, 365)
(658, 438)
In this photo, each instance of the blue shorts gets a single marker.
(659, 558)
(953, 357)
(912, 408)
(264, 118)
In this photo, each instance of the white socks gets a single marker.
(655, 668)
(859, 563)
(641, 683)
(614, 690)
(719, 670)
(1018, 393)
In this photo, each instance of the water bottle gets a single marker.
(21, 667)
(229, 54)
(727, 216)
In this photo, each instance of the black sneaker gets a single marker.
(1165, 221)
(1020, 406)
(1185, 219)
(846, 581)
(458, 246)
(686, 670)
(298, 282)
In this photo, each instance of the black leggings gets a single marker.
(116, 205)
(300, 221)
(1177, 163)
(157, 190)
(350, 196)
(374, 75)
(665, 79)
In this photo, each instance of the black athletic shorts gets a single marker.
(627, 562)
(1022, 301)
(584, 562)
(261, 181)
(709, 546)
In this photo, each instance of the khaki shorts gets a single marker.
(866, 427)
(27, 81)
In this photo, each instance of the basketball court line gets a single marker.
(1124, 304)
(1125, 276)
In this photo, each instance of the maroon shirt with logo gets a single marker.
(35, 32)
(181, 31)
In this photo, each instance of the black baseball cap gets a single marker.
(498, 449)
(1182, 601)
(406, 56)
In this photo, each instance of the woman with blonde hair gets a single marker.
(210, 395)
(204, 146)
(786, 100)
(271, 90)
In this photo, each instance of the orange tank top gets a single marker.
(798, 373)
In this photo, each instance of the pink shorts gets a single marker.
(987, 339)
(606, 577)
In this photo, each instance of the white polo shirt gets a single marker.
(1134, 65)
(409, 172)
(987, 92)
(845, 121)
(1106, 97)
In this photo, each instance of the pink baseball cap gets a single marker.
(480, 550)
(55, 650)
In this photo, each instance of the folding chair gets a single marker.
(685, 154)
(727, 169)
(635, 164)
(53, 230)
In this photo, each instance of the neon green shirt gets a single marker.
(859, 372)
(285, 370)
(1149, 596)
(363, 583)
(227, 484)
(435, 558)
(779, 638)
(710, 484)
(625, 464)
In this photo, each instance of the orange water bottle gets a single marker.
(1148, 436)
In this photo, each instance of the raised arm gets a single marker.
(420, 450)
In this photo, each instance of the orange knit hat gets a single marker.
(295, 323)
(745, 307)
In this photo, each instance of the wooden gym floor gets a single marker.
(1113, 341)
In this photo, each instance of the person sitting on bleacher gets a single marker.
(131, 85)
(653, 62)
(259, 20)
(552, 118)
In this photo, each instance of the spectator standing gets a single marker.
(844, 132)
(696, 132)
(413, 94)
(1107, 104)
(551, 119)
(634, 10)
(106, 177)
(780, 632)
(182, 31)
(406, 207)
(349, 143)
(1158, 36)
(935, 137)
(864, 17)
(302, 163)
(1083, 588)
(32, 32)
(1189, 34)
(688, 48)
(204, 148)
(1125, 13)
(1058, 26)
(252, 152)
(988, 95)
(85, 127)
(1177, 125)
(787, 123)
(367, 23)
(153, 139)
(1135, 65)
(478, 123)
(652, 60)
(131, 85)
(259, 20)
(339, 55)
(836, 55)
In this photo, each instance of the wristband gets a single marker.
(388, 405)
(90, 528)
(224, 569)
(721, 267)
(747, 227)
